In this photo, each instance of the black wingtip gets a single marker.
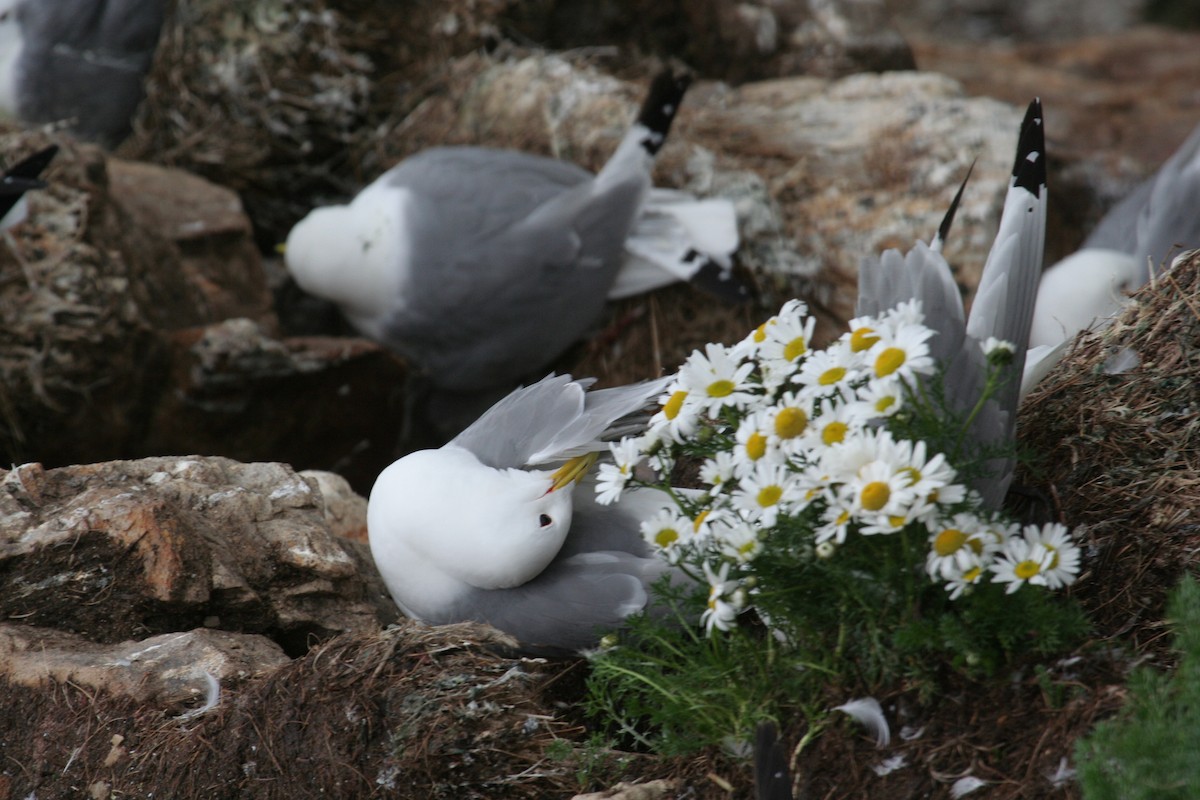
(943, 230)
(658, 110)
(1029, 169)
(31, 167)
(772, 780)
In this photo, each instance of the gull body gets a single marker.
(79, 61)
(474, 530)
(481, 266)
(1002, 309)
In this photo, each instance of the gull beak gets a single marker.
(572, 471)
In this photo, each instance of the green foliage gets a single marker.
(1152, 749)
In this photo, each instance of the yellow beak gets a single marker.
(573, 470)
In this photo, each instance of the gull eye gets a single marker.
(545, 521)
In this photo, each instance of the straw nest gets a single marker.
(1116, 435)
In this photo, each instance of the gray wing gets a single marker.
(602, 575)
(86, 59)
(1004, 303)
(498, 294)
(553, 418)
(1161, 214)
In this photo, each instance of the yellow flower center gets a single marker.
(699, 520)
(1053, 557)
(863, 339)
(795, 348)
(666, 537)
(972, 575)
(831, 376)
(674, 404)
(884, 403)
(1027, 569)
(790, 423)
(897, 522)
(769, 495)
(912, 473)
(760, 334)
(756, 446)
(833, 433)
(890, 360)
(842, 518)
(875, 495)
(949, 541)
(721, 388)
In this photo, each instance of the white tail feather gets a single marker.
(867, 712)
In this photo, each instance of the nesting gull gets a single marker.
(480, 266)
(475, 531)
(1003, 306)
(1130, 243)
(79, 61)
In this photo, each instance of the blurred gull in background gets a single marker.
(82, 62)
(481, 266)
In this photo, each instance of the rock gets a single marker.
(207, 225)
(1117, 106)
(123, 549)
(315, 402)
(822, 171)
(735, 42)
(345, 509)
(166, 670)
(1015, 20)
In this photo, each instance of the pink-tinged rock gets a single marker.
(124, 549)
(165, 670)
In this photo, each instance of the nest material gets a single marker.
(1118, 452)
(409, 712)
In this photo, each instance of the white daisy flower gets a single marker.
(718, 471)
(753, 444)
(966, 571)
(1021, 562)
(739, 541)
(879, 398)
(787, 422)
(767, 492)
(1063, 567)
(725, 599)
(963, 534)
(677, 419)
(668, 531)
(827, 371)
(833, 423)
(863, 334)
(611, 478)
(837, 517)
(880, 491)
(906, 313)
(715, 379)
(904, 354)
(787, 339)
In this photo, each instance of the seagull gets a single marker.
(475, 530)
(1129, 244)
(480, 266)
(82, 61)
(1003, 306)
